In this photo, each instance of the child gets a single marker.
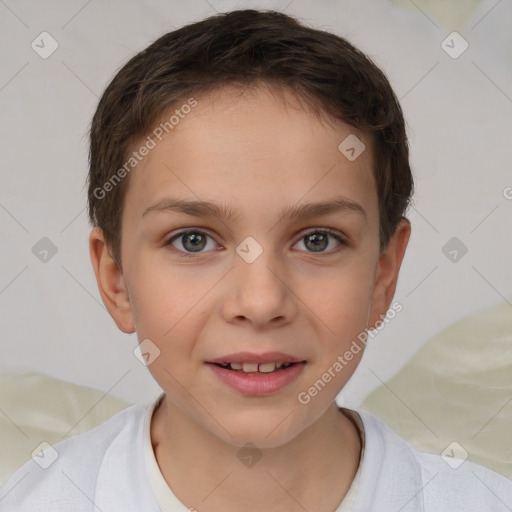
(278, 153)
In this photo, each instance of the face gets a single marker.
(256, 282)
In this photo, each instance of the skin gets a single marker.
(257, 153)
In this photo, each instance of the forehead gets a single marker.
(255, 151)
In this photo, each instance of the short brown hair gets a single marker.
(246, 48)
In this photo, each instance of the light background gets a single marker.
(458, 113)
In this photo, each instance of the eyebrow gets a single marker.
(298, 212)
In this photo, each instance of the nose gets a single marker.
(259, 293)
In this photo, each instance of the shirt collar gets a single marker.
(389, 476)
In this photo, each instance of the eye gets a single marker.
(193, 241)
(317, 240)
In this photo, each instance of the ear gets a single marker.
(111, 283)
(388, 268)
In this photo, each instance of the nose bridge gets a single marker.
(260, 291)
(260, 267)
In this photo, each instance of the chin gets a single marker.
(263, 428)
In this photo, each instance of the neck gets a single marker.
(314, 471)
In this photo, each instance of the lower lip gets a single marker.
(258, 384)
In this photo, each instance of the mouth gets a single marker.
(257, 374)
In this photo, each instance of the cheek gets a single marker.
(341, 303)
(157, 302)
(167, 306)
(341, 297)
(166, 313)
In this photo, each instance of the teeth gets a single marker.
(250, 367)
(267, 367)
(256, 368)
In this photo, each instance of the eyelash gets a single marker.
(185, 254)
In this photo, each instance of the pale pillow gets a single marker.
(36, 408)
(457, 387)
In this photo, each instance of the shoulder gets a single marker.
(64, 476)
(419, 481)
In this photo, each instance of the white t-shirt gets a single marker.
(168, 502)
(112, 468)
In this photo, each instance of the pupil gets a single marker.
(319, 241)
(193, 241)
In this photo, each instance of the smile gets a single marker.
(256, 378)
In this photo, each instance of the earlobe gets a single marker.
(388, 269)
(111, 282)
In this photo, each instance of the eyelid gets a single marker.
(331, 231)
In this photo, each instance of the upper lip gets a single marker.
(250, 357)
